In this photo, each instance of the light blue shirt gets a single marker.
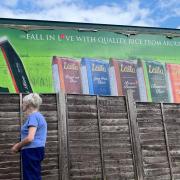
(37, 120)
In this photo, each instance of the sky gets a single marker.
(151, 13)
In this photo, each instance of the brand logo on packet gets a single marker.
(127, 68)
(155, 70)
(71, 66)
(98, 68)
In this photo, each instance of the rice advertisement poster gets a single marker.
(96, 63)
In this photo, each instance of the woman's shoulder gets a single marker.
(40, 114)
(37, 115)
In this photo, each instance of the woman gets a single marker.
(33, 138)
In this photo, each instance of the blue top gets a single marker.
(35, 119)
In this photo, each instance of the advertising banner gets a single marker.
(87, 62)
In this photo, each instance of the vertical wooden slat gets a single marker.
(135, 135)
(100, 139)
(63, 134)
(59, 137)
(132, 141)
(166, 141)
(21, 124)
(67, 138)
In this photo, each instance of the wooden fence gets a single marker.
(11, 120)
(96, 137)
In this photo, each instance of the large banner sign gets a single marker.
(102, 63)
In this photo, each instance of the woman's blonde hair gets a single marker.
(33, 100)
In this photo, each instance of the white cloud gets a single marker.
(177, 11)
(9, 3)
(78, 11)
(168, 3)
(171, 7)
(53, 3)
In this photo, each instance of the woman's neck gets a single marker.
(31, 110)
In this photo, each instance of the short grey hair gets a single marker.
(33, 100)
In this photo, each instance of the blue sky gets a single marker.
(158, 13)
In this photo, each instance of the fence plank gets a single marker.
(172, 122)
(83, 138)
(9, 135)
(135, 136)
(116, 139)
(153, 142)
(63, 137)
(100, 137)
(166, 141)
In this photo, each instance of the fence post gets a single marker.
(135, 135)
(21, 124)
(100, 139)
(166, 141)
(62, 137)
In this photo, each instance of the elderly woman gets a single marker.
(33, 138)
